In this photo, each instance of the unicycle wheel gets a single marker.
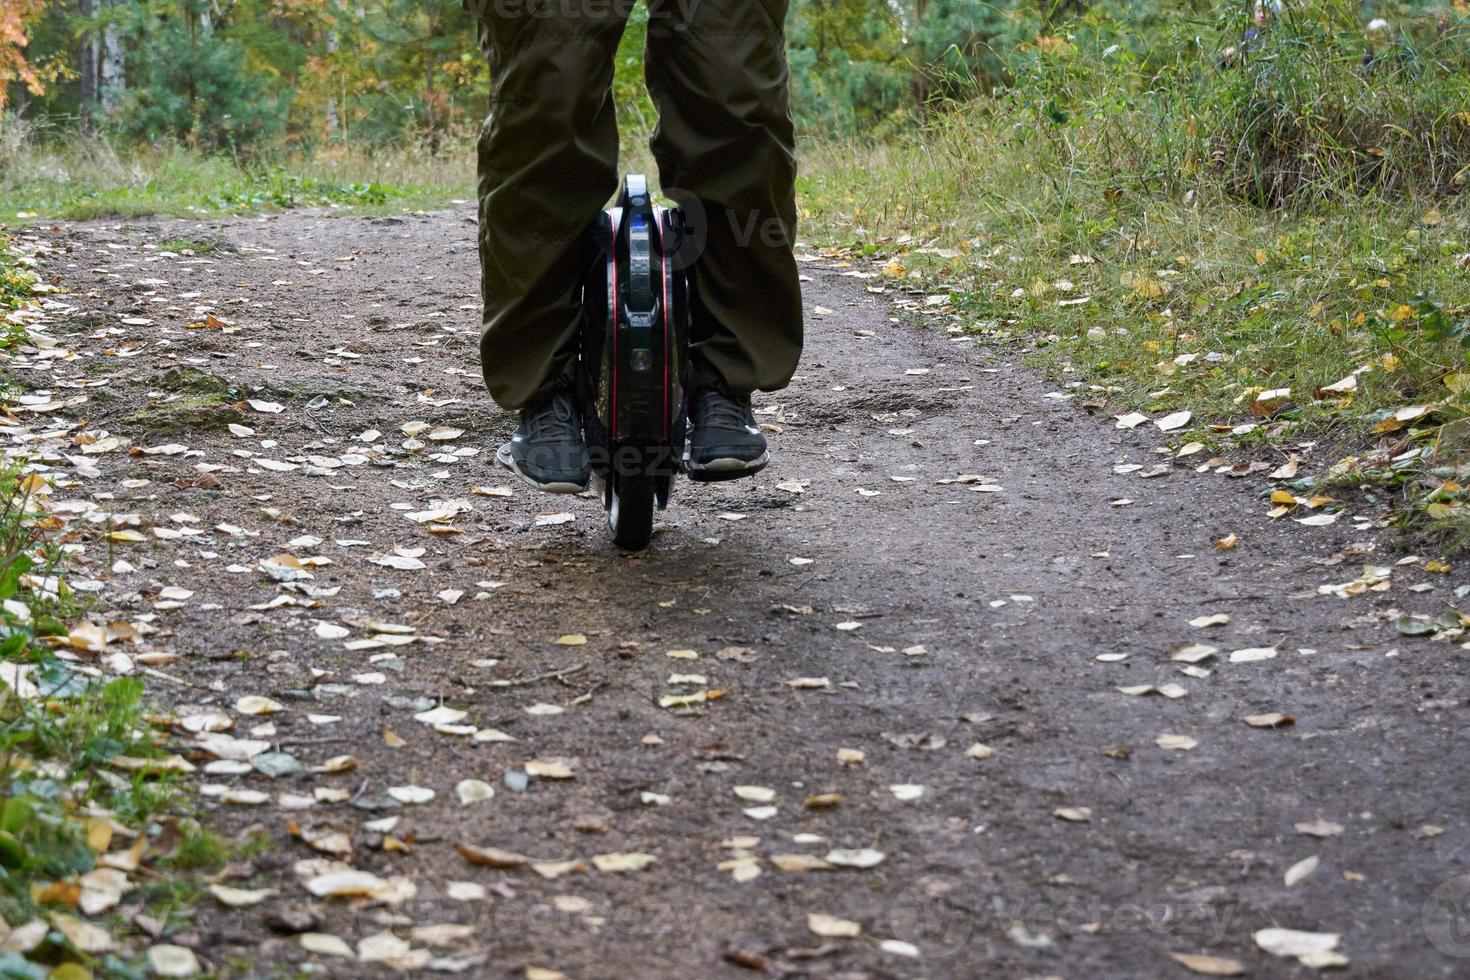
(630, 510)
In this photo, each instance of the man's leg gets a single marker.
(725, 147)
(547, 164)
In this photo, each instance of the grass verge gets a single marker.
(78, 180)
(90, 801)
(1090, 215)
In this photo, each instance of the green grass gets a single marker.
(62, 737)
(192, 246)
(71, 179)
(16, 282)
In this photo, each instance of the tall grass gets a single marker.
(59, 175)
(1187, 226)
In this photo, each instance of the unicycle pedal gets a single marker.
(635, 340)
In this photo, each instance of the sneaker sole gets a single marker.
(727, 468)
(504, 459)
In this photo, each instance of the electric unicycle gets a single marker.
(632, 365)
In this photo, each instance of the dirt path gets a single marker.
(884, 609)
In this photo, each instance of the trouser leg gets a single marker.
(547, 164)
(725, 146)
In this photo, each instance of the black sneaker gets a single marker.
(548, 450)
(724, 441)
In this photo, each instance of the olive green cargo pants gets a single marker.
(548, 154)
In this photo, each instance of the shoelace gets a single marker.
(719, 411)
(555, 421)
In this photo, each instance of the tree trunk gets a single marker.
(333, 121)
(87, 70)
(113, 80)
(430, 64)
(429, 102)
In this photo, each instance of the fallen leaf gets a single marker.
(254, 704)
(168, 960)
(1171, 423)
(1297, 872)
(831, 927)
(1178, 743)
(1209, 966)
(491, 857)
(239, 898)
(1252, 655)
(619, 862)
(473, 791)
(549, 769)
(799, 862)
(411, 795)
(1319, 828)
(322, 944)
(1294, 942)
(855, 858)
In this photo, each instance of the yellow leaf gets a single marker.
(99, 834)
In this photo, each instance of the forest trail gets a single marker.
(913, 634)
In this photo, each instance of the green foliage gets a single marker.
(59, 730)
(15, 281)
(16, 284)
(196, 87)
(395, 72)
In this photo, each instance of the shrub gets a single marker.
(198, 89)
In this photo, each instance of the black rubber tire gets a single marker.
(630, 511)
